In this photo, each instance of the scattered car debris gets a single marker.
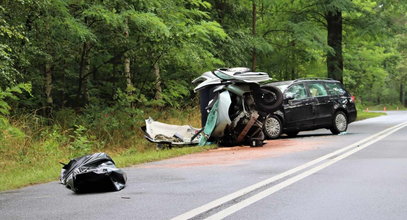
(92, 173)
(167, 135)
(233, 106)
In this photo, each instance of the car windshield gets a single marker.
(282, 85)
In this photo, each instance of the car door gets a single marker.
(322, 105)
(298, 108)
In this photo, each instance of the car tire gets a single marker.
(272, 127)
(292, 133)
(339, 123)
(268, 98)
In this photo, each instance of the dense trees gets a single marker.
(78, 53)
(80, 76)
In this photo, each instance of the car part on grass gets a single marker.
(234, 105)
(167, 135)
(93, 173)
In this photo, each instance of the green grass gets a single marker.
(23, 175)
(365, 115)
(389, 107)
(16, 175)
(30, 151)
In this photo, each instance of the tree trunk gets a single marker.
(158, 89)
(254, 20)
(335, 60)
(83, 71)
(402, 94)
(48, 89)
(127, 73)
(293, 60)
(86, 80)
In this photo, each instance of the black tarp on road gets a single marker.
(93, 173)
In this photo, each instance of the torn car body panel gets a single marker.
(158, 132)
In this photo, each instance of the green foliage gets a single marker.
(9, 134)
(174, 92)
(82, 143)
(82, 46)
(73, 53)
(10, 93)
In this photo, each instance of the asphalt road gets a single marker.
(357, 175)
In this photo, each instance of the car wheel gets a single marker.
(292, 133)
(340, 123)
(272, 127)
(268, 98)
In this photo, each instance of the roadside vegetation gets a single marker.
(31, 147)
(365, 115)
(82, 76)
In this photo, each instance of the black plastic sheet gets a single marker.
(93, 173)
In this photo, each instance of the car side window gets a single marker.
(297, 91)
(317, 89)
(335, 89)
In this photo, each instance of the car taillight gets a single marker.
(352, 98)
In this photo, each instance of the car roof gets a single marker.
(289, 82)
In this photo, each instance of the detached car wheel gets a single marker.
(268, 98)
(272, 127)
(340, 123)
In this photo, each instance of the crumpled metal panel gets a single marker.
(158, 132)
(223, 119)
(93, 173)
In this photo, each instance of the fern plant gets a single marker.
(10, 93)
(5, 128)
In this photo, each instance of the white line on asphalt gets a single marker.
(238, 206)
(227, 198)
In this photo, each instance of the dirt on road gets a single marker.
(239, 154)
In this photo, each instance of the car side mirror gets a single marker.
(289, 97)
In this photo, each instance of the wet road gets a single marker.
(359, 175)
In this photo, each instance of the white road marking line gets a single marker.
(227, 198)
(234, 208)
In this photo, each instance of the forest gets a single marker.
(78, 76)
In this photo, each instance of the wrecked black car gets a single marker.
(93, 173)
(311, 103)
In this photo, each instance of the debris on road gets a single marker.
(167, 134)
(233, 105)
(93, 173)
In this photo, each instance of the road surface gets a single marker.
(358, 175)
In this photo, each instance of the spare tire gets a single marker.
(268, 98)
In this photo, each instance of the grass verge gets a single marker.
(17, 175)
(31, 149)
(30, 153)
(365, 115)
